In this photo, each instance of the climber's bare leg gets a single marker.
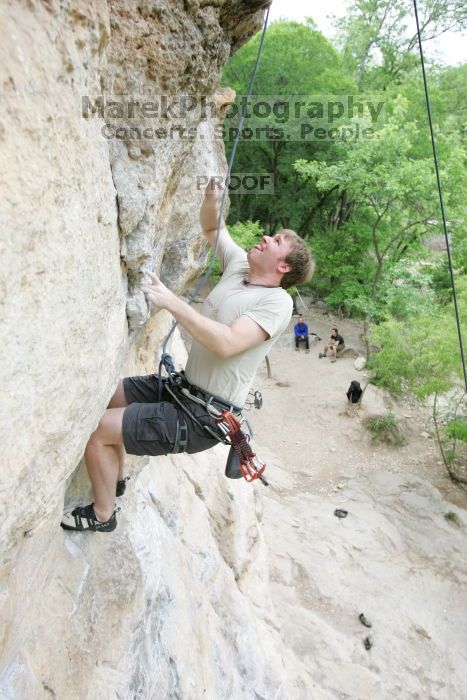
(119, 400)
(102, 462)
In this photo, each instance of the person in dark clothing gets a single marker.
(335, 344)
(301, 334)
(294, 310)
(354, 392)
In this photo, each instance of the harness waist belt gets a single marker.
(211, 399)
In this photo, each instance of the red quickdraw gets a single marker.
(250, 465)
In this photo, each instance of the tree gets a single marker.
(379, 41)
(422, 355)
(297, 61)
(381, 202)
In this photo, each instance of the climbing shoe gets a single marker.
(121, 486)
(84, 518)
(321, 354)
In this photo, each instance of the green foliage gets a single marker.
(448, 454)
(457, 429)
(385, 429)
(393, 202)
(452, 517)
(297, 60)
(246, 234)
(391, 198)
(378, 37)
(367, 206)
(405, 291)
(441, 282)
(421, 354)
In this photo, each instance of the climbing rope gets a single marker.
(207, 273)
(440, 193)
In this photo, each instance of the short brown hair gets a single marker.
(300, 258)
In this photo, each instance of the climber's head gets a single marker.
(284, 256)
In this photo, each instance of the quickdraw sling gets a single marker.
(242, 461)
(250, 465)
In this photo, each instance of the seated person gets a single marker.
(301, 334)
(335, 344)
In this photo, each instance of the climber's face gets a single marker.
(270, 253)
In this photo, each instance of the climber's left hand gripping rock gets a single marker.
(157, 293)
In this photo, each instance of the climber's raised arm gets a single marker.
(209, 214)
(223, 340)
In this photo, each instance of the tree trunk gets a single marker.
(365, 337)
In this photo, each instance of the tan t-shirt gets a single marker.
(230, 379)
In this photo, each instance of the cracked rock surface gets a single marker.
(86, 199)
(84, 207)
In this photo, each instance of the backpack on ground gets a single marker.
(354, 392)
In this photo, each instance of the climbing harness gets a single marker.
(233, 428)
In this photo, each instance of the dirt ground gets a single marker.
(395, 557)
(305, 421)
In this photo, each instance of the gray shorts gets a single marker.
(150, 426)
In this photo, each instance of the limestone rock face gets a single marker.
(84, 207)
(174, 603)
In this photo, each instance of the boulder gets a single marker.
(360, 363)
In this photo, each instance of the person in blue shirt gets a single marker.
(301, 334)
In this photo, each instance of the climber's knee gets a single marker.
(119, 399)
(109, 430)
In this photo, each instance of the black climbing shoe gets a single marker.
(321, 354)
(84, 518)
(121, 486)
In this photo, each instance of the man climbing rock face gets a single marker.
(241, 319)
